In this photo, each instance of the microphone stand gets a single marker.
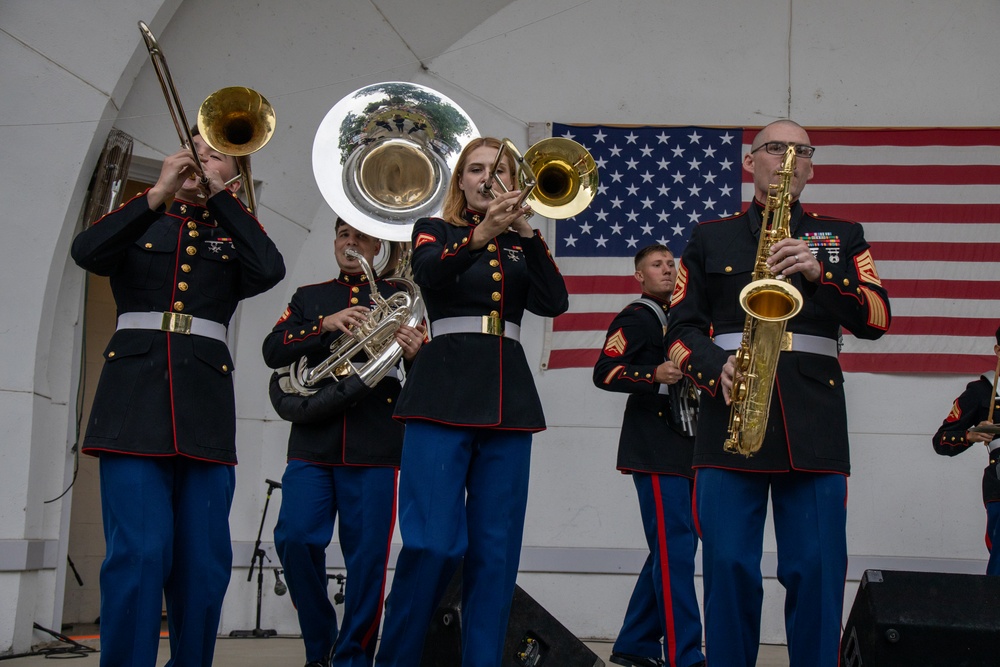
(259, 556)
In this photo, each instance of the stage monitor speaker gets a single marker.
(534, 637)
(930, 619)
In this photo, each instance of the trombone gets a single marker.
(557, 176)
(990, 428)
(234, 121)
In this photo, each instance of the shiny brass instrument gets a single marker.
(234, 121)
(374, 339)
(769, 301)
(557, 177)
(382, 158)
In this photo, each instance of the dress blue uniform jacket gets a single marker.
(471, 379)
(969, 409)
(632, 351)
(364, 433)
(164, 393)
(807, 426)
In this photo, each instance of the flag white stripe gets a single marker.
(819, 194)
(931, 232)
(838, 154)
(889, 344)
(900, 270)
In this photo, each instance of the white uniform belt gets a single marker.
(799, 343)
(493, 326)
(994, 445)
(173, 323)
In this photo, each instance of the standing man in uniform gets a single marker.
(343, 458)
(656, 446)
(805, 458)
(954, 437)
(164, 416)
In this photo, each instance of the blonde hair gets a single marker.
(455, 203)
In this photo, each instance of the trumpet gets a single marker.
(557, 177)
(234, 121)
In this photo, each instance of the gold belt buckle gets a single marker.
(176, 323)
(786, 342)
(492, 325)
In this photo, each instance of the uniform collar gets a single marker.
(472, 217)
(756, 214)
(353, 278)
(186, 209)
(663, 303)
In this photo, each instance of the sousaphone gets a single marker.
(382, 158)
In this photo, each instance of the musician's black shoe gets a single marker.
(634, 660)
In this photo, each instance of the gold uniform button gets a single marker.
(497, 277)
(648, 375)
(659, 414)
(194, 233)
(355, 289)
(846, 282)
(496, 296)
(831, 382)
(354, 300)
(388, 399)
(492, 247)
(494, 313)
(192, 224)
(315, 327)
(636, 374)
(494, 262)
(454, 246)
(186, 268)
(148, 246)
(184, 209)
(225, 257)
(204, 215)
(302, 333)
(689, 366)
(178, 306)
(111, 354)
(191, 250)
(225, 367)
(465, 239)
(711, 383)
(729, 269)
(829, 275)
(182, 286)
(699, 376)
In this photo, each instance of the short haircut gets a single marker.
(340, 221)
(649, 250)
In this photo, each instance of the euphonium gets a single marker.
(769, 301)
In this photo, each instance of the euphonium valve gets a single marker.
(769, 301)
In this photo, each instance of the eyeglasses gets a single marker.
(779, 148)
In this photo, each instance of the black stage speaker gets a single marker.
(923, 619)
(534, 637)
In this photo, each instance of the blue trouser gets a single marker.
(993, 537)
(810, 528)
(664, 605)
(166, 528)
(312, 496)
(462, 492)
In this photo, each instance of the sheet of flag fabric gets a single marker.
(928, 198)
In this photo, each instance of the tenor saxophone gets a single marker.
(769, 302)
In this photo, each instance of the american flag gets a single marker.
(929, 200)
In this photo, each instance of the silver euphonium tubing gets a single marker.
(382, 158)
(370, 351)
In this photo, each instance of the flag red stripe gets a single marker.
(583, 322)
(907, 174)
(965, 364)
(602, 285)
(898, 289)
(915, 251)
(573, 358)
(931, 136)
(942, 289)
(943, 326)
(960, 364)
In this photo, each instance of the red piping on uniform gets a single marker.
(668, 607)
(373, 629)
(170, 364)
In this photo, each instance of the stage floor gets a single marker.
(288, 652)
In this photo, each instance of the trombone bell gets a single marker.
(236, 121)
(566, 175)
